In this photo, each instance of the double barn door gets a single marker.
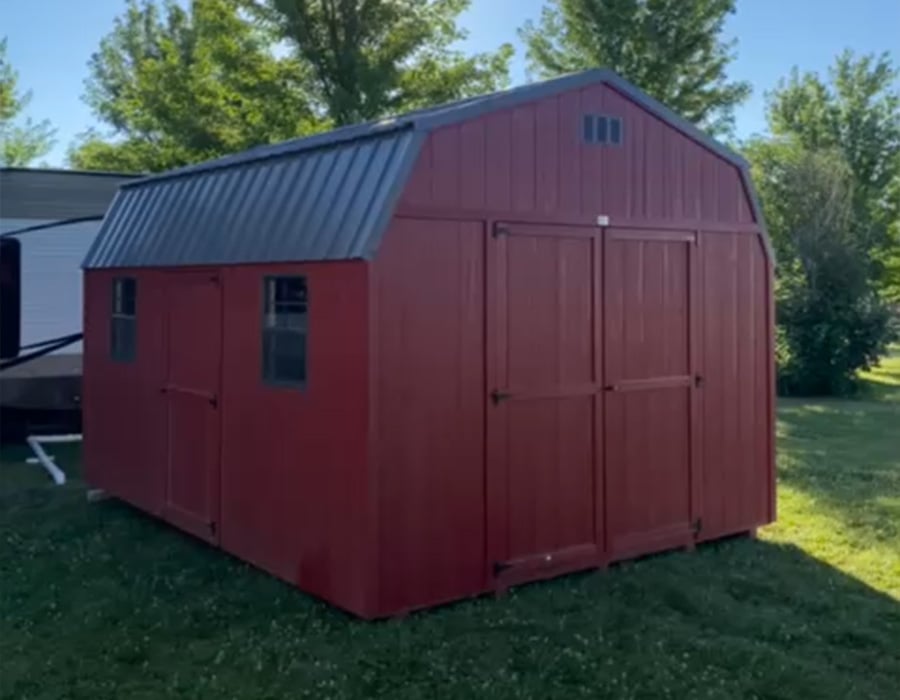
(592, 397)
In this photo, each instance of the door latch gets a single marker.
(497, 396)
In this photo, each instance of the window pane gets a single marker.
(123, 331)
(124, 296)
(615, 130)
(284, 356)
(602, 126)
(589, 128)
(285, 320)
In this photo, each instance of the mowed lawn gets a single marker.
(97, 601)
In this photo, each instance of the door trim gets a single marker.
(206, 528)
(497, 466)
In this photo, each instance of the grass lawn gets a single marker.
(97, 601)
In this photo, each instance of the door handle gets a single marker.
(497, 396)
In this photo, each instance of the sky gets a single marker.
(50, 42)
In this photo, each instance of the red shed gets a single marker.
(421, 359)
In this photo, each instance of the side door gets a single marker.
(194, 352)
(543, 402)
(651, 385)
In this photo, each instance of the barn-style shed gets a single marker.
(421, 359)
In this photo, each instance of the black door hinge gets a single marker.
(497, 396)
(500, 231)
(214, 401)
(698, 381)
(698, 526)
(500, 567)
(212, 528)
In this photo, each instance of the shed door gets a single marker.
(192, 395)
(542, 402)
(650, 385)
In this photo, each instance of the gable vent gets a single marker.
(602, 129)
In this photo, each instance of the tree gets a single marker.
(180, 85)
(670, 48)
(831, 321)
(371, 58)
(21, 144)
(857, 113)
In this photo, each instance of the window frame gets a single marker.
(268, 331)
(599, 129)
(123, 317)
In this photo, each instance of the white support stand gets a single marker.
(35, 442)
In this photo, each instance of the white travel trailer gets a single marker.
(60, 212)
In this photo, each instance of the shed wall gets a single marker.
(293, 494)
(428, 383)
(532, 160)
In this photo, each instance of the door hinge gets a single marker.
(497, 396)
(697, 526)
(214, 401)
(698, 381)
(500, 231)
(500, 567)
(212, 528)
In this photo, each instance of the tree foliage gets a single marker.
(21, 141)
(672, 49)
(179, 85)
(831, 320)
(371, 58)
(857, 113)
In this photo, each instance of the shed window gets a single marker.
(284, 331)
(602, 129)
(123, 323)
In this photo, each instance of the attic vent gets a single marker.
(602, 129)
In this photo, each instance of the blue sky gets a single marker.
(50, 42)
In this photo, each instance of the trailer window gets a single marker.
(123, 328)
(284, 331)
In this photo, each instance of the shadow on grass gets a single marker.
(148, 612)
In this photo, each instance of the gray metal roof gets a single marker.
(325, 203)
(323, 197)
(46, 195)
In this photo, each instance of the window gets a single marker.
(123, 330)
(284, 331)
(602, 129)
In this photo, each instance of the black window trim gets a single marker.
(121, 316)
(266, 330)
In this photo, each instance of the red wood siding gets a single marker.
(428, 378)
(123, 412)
(532, 160)
(293, 488)
(294, 496)
(735, 347)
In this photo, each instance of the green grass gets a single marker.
(97, 601)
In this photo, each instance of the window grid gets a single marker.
(284, 331)
(123, 320)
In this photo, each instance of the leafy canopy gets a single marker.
(21, 142)
(179, 85)
(670, 48)
(370, 58)
(856, 112)
(831, 320)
